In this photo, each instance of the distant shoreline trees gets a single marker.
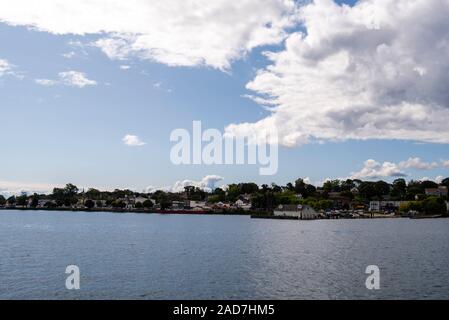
(334, 194)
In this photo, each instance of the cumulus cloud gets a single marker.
(176, 33)
(417, 163)
(5, 67)
(375, 169)
(132, 141)
(446, 163)
(376, 70)
(76, 79)
(9, 188)
(208, 184)
(68, 78)
(437, 179)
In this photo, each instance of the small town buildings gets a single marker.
(441, 191)
(243, 204)
(339, 200)
(197, 204)
(374, 206)
(378, 206)
(139, 199)
(296, 211)
(221, 205)
(178, 205)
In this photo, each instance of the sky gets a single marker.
(91, 90)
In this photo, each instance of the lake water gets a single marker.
(123, 256)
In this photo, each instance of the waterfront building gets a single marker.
(296, 211)
(441, 191)
(378, 206)
(243, 204)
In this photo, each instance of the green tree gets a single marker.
(89, 204)
(399, 189)
(381, 188)
(434, 206)
(22, 200)
(300, 186)
(414, 188)
(2, 200)
(93, 194)
(138, 205)
(428, 184)
(445, 182)
(325, 204)
(118, 204)
(34, 201)
(367, 190)
(50, 205)
(148, 204)
(332, 186)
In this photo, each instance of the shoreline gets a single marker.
(251, 214)
(134, 211)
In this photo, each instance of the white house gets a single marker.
(296, 211)
(441, 191)
(377, 206)
(197, 204)
(447, 206)
(374, 206)
(243, 205)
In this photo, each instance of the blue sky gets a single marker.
(59, 133)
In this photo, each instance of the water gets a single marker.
(131, 256)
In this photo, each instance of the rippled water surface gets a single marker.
(123, 256)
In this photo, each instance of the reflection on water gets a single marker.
(219, 257)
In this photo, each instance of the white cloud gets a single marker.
(208, 184)
(307, 180)
(437, 179)
(132, 141)
(69, 55)
(5, 67)
(173, 32)
(9, 188)
(445, 163)
(46, 82)
(68, 78)
(417, 163)
(125, 67)
(377, 70)
(75, 79)
(374, 169)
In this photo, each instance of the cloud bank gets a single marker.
(373, 169)
(9, 188)
(377, 70)
(176, 33)
(208, 184)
